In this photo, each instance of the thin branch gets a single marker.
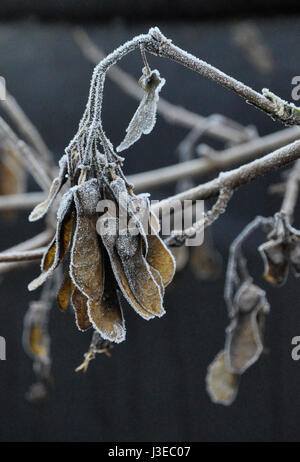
(25, 201)
(156, 43)
(172, 173)
(178, 238)
(34, 243)
(22, 256)
(273, 105)
(224, 159)
(172, 113)
(234, 178)
(24, 124)
(235, 256)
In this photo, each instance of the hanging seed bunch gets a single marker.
(247, 303)
(105, 234)
(243, 345)
(36, 341)
(281, 251)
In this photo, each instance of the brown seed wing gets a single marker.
(243, 343)
(41, 209)
(275, 262)
(37, 342)
(56, 251)
(109, 241)
(158, 279)
(106, 314)
(79, 303)
(161, 258)
(221, 384)
(65, 292)
(86, 266)
(140, 278)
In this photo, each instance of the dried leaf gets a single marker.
(109, 241)
(58, 247)
(64, 293)
(142, 283)
(160, 258)
(106, 314)
(79, 303)
(275, 261)
(41, 209)
(86, 268)
(158, 279)
(134, 211)
(244, 336)
(144, 118)
(154, 222)
(221, 384)
(37, 341)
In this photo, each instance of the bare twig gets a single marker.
(34, 243)
(226, 158)
(273, 105)
(235, 178)
(31, 134)
(22, 255)
(28, 157)
(23, 201)
(179, 238)
(172, 173)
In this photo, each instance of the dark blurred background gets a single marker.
(153, 386)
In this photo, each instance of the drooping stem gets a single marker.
(156, 43)
(172, 113)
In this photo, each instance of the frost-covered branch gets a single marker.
(25, 201)
(33, 243)
(235, 178)
(222, 160)
(267, 101)
(22, 255)
(172, 113)
(179, 238)
(156, 43)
